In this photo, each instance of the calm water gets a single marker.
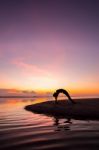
(20, 129)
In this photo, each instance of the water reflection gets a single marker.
(62, 126)
(21, 129)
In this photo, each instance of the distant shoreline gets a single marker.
(18, 96)
(23, 96)
(74, 97)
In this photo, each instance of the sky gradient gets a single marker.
(50, 44)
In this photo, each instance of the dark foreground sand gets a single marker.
(83, 109)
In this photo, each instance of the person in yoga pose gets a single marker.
(55, 95)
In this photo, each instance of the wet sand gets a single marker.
(83, 109)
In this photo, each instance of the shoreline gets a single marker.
(84, 109)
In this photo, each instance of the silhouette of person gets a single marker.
(55, 95)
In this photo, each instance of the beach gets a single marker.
(25, 130)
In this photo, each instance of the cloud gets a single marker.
(30, 69)
(15, 92)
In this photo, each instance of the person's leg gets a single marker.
(73, 102)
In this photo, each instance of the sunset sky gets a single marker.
(50, 44)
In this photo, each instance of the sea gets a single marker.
(24, 130)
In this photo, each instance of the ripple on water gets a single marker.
(20, 129)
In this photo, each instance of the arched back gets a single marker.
(63, 91)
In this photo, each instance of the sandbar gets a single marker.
(83, 109)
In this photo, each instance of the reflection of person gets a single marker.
(68, 121)
(55, 95)
(56, 121)
(60, 127)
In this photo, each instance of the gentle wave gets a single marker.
(20, 129)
